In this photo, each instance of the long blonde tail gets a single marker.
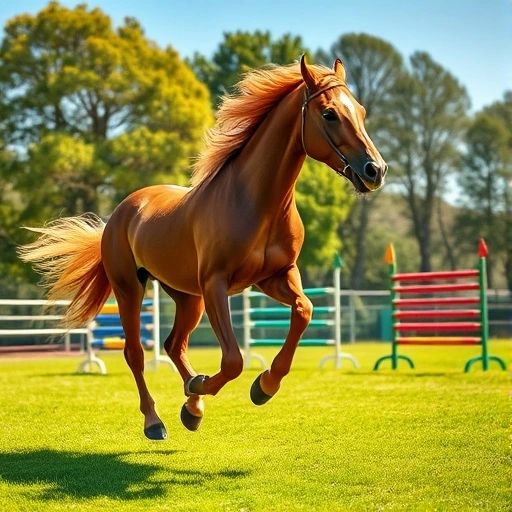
(68, 255)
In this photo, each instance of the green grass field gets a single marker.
(428, 439)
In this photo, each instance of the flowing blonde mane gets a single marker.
(241, 112)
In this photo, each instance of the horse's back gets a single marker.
(157, 197)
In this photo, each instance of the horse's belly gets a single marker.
(260, 265)
(172, 263)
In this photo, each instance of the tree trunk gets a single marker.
(450, 256)
(360, 254)
(422, 220)
(490, 272)
(425, 250)
(508, 270)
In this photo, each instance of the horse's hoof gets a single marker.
(195, 385)
(156, 432)
(190, 421)
(258, 396)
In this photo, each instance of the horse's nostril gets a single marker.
(371, 171)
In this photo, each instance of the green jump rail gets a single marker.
(278, 317)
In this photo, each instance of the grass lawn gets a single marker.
(427, 439)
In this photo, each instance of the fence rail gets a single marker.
(364, 315)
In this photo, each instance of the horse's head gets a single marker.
(333, 130)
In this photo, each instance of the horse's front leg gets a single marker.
(215, 294)
(287, 289)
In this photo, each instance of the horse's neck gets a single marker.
(269, 164)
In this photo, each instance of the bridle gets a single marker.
(307, 99)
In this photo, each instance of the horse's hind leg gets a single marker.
(129, 292)
(129, 298)
(189, 310)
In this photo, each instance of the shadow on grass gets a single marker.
(91, 475)
(74, 374)
(386, 373)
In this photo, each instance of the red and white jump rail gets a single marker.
(417, 309)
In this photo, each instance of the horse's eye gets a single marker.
(330, 115)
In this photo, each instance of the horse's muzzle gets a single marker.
(373, 174)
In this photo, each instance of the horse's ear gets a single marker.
(307, 75)
(339, 70)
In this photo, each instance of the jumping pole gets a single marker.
(338, 354)
(157, 356)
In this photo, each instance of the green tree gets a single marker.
(145, 156)
(10, 202)
(67, 175)
(502, 110)
(324, 201)
(69, 72)
(241, 52)
(373, 66)
(485, 180)
(425, 128)
(92, 112)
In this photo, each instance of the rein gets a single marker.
(307, 99)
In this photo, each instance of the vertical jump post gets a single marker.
(390, 260)
(92, 359)
(484, 314)
(338, 354)
(157, 356)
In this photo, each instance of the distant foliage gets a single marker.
(90, 114)
(425, 132)
(241, 52)
(485, 177)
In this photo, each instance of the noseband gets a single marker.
(307, 99)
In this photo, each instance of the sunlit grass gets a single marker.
(433, 438)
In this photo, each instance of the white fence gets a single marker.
(363, 317)
(86, 332)
(40, 304)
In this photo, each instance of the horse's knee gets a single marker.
(232, 365)
(303, 311)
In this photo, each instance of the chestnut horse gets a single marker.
(236, 226)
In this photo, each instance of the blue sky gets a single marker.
(471, 38)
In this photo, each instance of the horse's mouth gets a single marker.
(359, 184)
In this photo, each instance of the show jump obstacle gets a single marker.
(416, 310)
(106, 333)
(278, 317)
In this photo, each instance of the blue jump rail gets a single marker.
(146, 318)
